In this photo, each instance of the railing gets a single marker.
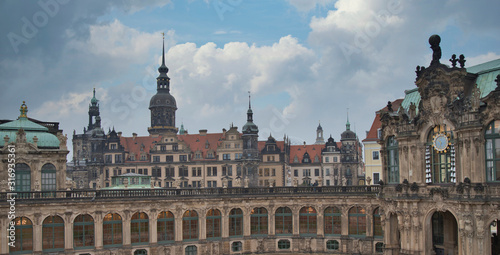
(172, 193)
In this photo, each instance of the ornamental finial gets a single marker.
(23, 110)
(434, 41)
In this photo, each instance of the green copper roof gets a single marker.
(45, 139)
(411, 96)
(487, 73)
(32, 129)
(23, 123)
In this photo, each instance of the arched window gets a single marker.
(53, 234)
(191, 250)
(83, 232)
(141, 252)
(357, 221)
(236, 223)
(213, 224)
(332, 245)
(333, 221)
(139, 228)
(308, 225)
(190, 226)
(377, 224)
(284, 244)
(23, 177)
(283, 221)
(258, 221)
(492, 137)
(24, 235)
(379, 247)
(48, 177)
(441, 153)
(165, 227)
(392, 160)
(112, 230)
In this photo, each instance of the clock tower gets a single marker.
(162, 105)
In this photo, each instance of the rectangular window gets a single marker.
(107, 173)
(182, 158)
(146, 171)
(175, 147)
(266, 171)
(113, 146)
(376, 178)
(316, 172)
(306, 172)
(335, 159)
(183, 171)
(260, 172)
(163, 148)
(327, 159)
(170, 158)
(327, 182)
(156, 158)
(118, 158)
(109, 159)
(226, 156)
(327, 171)
(238, 170)
(375, 155)
(273, 172)
(296, 172)
(156, 172)
(169, 171)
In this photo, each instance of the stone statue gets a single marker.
(368, 180)
(224, 183)
(246, 181)
(434, 41)
(37, 185)
(344, 181)
(152, 184)
(237, 182)
(295, 182)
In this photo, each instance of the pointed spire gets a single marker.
(163, 52)
(348, 125)
(249, 105)
(163, 81)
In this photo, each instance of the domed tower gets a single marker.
(319, 135)
(162, 105)
(250, 148)
(93, 112)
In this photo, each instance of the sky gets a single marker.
(304, 62)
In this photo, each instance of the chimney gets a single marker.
(119, 134)
(134, 135)
(203, 132)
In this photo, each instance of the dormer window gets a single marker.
(112, 146)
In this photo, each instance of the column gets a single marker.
(178, 226)
(37, 233)
(225, 223)
(320, 222)
(272, 226)
(202, 225)
(98, 230)
(126, 228)
(295, 220)
(68, 231)
(246, 222)
(153, 227)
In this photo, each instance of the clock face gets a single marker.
(440, 142)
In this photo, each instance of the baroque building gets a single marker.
(439, 191)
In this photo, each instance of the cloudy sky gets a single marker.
(304, 61)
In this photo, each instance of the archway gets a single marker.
(443, 233)
(392, 235)
(493, 234)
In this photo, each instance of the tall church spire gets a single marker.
(249, 112)
(162, 105)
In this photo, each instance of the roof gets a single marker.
(133, 144)
(299, 150)
(32, 129)
(487, 73)
(376, 125)
(197, 142)
(280, 144)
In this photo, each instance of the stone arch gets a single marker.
(450, 241)
(427, 128)
(492, 245)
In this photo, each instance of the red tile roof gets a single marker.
(373, 133)
(299, 150)
(197, 142)
(133, 144)
(280, 144)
